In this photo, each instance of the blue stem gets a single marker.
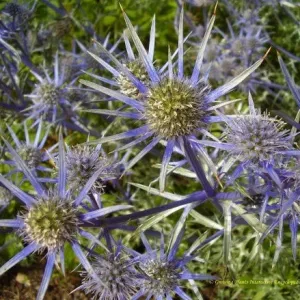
(196, 165)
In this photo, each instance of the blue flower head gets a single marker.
(256, 141)
(118, 277)
(51, 218)
(19, 13)
(30, 151)
(227, 58)
(82, 161)
(51, 98)
(257, 138)
(173, 106)
(163, 271)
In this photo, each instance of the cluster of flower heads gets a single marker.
(228, 57)
(251, 166)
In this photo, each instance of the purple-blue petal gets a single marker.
(83, 260)
(164, 164)
(188, 275)
(46, 276)
(181, 293)
(22, 165)
(62, 173)
(15, 223)
(18, 257)
(28, 200)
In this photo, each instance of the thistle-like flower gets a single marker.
(31, 152)
(51, 222)
(225, 59)
(51, 219)
(118, 278)
(18, 12)
(163, 271)
(126, 86)
(257, 138)
(82, 161)
(257, 141)
(174, 106)
(51, 99)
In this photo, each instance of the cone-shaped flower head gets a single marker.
(52, 99)
(32, 156)
(226, 59)
(82, 161)
(172, 105)
(51, 218)
(164, 275)
(257, 141)
(51, 222)
(118, 278)
(30, 151)
(257, 137)
(175, 108)
(163, 271)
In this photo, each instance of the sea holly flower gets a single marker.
(82, 161)
(118, 277)
(257, 138)
(18, 12)
(174, 107)
(51, 218)
(137, 68)
(31, 152)
(51, 99)
(163, 271)
(257, 141)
